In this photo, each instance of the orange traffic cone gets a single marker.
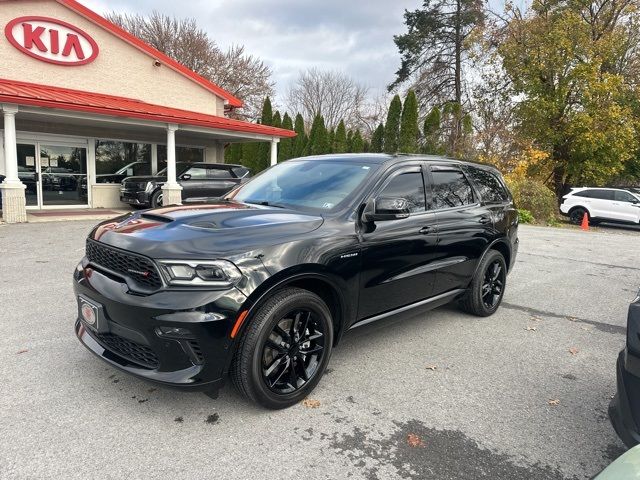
(585, 222)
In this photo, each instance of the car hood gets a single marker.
(204, 231)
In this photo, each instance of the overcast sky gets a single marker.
(355, 37)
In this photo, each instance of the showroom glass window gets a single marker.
(183, 154)
(450, 188)
(122, 158)
(408, 186)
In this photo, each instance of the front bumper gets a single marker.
(134, 197)
(126, 336)
(624, 410)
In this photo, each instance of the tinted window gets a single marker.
(621, 196)
(197, 173)
(450, 189)
(408, 186)
(488, 185)
(240, 172)
(218, 173)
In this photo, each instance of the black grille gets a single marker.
(140, 354)
(141, 269)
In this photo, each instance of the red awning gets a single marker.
(23, 93)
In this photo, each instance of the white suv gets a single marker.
(602, 204)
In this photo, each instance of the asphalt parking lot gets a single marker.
(520, 395)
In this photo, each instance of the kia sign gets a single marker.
(51, 40)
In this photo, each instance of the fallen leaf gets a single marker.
(535, 318)
(414, 440)
(572, 319)
(24, 350)
(431, 367)
(309, 403)
(529, 329)
(554, 402)
(573, 350)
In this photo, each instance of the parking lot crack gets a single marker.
(603, 327)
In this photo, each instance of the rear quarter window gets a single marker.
(489, 187)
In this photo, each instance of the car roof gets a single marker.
(385, 158)
(211, 165)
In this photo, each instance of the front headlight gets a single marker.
(205, 273)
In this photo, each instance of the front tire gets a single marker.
(156, 198)
(485, 293)
(285, 349)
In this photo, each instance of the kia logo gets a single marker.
(51, 40)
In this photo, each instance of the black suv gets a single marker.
(263, 284)
(197, 180)
(624, 410)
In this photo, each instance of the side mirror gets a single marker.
(385, 208)
(185, 176)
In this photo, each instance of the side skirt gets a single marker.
(432, 302)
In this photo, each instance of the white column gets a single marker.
(154, 158)
(1, 152)
(13, 199)
(274, 151)
(171, 191)
(91, 170)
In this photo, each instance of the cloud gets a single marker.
(355, 37)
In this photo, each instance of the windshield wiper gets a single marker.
(264, 203)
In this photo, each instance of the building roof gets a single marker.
(23, 93)
(90, 15)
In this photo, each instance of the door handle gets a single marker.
(427, 230)
(485, 220)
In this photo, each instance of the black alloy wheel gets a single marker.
(284, 350)
(292, 353)
(577, 214)
(485, 292)
(493, 285)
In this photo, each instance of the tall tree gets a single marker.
(277, 120)
(333, 95)
(357, 143)
(340, 139)
(435, 49)
(241, 74)
(300, 140)
(409, 130)
(318, 141)
(377, 139)
(431, 132)
(285, 147)
(392, 127)
(568, 69)
(263, 159)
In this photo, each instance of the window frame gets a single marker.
(451, 167)
(397, 170)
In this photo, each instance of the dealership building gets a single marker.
(81, 100)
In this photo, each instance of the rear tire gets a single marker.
(285, 349)
(485, 293)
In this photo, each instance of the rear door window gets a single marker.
(489, 187)
(450, 188)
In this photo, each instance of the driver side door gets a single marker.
(398, 255)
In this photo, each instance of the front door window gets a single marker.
(27, 172)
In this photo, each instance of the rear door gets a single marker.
(219, 181)
(397, 256)
(601, 203)
(465, 227)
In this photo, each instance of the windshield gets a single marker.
(317, 185)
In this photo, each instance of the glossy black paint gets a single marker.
(625, 406)
(361, 270)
